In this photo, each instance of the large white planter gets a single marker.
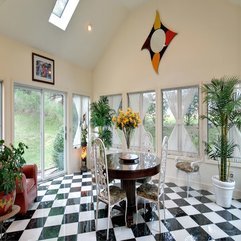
(223, 191)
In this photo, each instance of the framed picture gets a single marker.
(42, 69)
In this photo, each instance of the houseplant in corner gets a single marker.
(101, 118)
(224, 106)
(11, 161)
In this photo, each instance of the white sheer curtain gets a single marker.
(140, 102)
(180, 139)
(81, 103)
(235, 136)
(134, 104)
(115, 103)
(77, 104)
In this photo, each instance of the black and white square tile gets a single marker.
(63, 211)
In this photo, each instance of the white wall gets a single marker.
(16, 67)
(208, 44)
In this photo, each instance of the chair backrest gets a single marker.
(90, 153)
(101, 172)
(162, 174)
(147, 142)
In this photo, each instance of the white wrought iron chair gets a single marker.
(188, 167)
(147, 147)
(147, 143)
(108, 194)
(152, 192)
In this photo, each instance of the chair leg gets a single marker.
(163, 204)
(159, 216)
(108, 222)
(188, 184)
(97, 210)
(126, 214)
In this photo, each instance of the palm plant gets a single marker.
(224, 112)
(101, 117)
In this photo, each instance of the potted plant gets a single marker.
(11, 161)
(224, 105)
(101, 118)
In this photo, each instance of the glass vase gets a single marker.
(127, 134)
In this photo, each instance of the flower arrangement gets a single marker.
(127, 122)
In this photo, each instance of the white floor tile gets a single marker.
(154, 227)
(214, 206)
(18, 225)
(192, 201)
(29, 235)
(187, 222)
(173, 196)
(63, 190)
(54, 220)
(102, 223)
(90, 236)
(72, 209)
(236, 238)
(87, 215)
(74, 195)
(214, 217)
(181, 235)
(68, 229)
(122, 233)
(236, 204)
(146, 238)
(86, 199)
(53, 187)
(190, 210)
(76, 184)
(170, 204)
(59, 203)
(49, 197)
(86, 188)
(214, 231)
(39, 213)
(235, 212)
(236, 223)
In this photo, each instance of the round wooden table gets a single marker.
(129, 168)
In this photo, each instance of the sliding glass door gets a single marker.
(39, 122)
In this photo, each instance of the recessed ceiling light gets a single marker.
(89, 27)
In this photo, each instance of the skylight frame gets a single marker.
(68, 10)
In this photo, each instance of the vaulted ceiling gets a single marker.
(27, 22)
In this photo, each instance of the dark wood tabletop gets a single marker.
(129, 167)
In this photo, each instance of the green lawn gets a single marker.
(27, 128)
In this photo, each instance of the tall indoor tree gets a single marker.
(101, 118)
(224, 113)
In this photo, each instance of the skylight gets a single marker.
(62, 13)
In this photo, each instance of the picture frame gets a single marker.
(42, 69)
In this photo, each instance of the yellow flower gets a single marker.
(127, 120)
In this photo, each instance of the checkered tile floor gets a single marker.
(63, 211)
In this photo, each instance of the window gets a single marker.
(181, 120)
(80, 108)
(62, 13)
(115, 102)
(40, 122)
(145, 104)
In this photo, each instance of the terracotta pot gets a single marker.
(6, 202)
